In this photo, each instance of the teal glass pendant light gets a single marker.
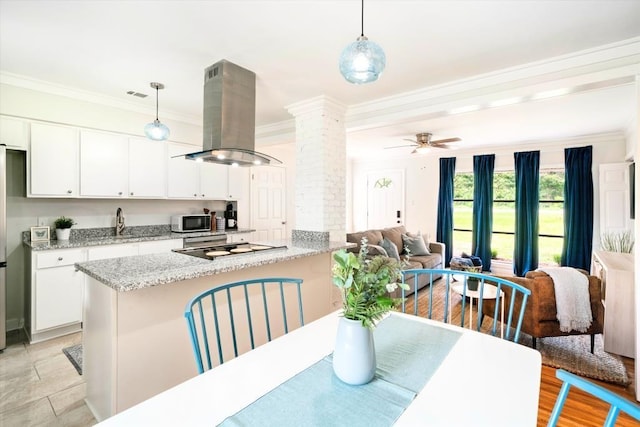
(156, 130)
(363, 60)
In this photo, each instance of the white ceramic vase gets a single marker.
(354, 356)
(63, 233)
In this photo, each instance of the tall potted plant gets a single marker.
(63, 227)
(365, 284)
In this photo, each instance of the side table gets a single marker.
(490, 292)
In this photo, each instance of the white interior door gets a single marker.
(615, 212)
(268, 208)
(385, 198)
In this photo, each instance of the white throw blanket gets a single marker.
(572, 298)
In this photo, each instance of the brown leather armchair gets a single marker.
(540, 313)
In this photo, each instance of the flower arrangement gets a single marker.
(365, 284)
(64, 222)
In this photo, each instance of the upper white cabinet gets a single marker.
(188, 179)
(238, 183)
(182, 175)
(147, 168)
(104, 169)
(72, 162)
(214, 181)
(14, 133)
(53, 161)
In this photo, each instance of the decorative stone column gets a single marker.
(321, 162)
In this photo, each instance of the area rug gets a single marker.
(573, 354)
(74, 354)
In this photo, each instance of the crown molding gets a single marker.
(603, 63)
(92, 97)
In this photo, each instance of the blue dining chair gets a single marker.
(251, 312)
(512, 295)
(617, 403)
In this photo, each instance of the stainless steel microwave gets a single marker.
(190, 223)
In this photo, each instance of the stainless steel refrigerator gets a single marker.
(3, 246)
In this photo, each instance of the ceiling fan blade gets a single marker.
(446, 141)
(442, 147)
(410, 140)
(399, 146)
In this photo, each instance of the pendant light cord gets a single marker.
(362, 19)
(157, 102)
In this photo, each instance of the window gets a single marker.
(551, 225)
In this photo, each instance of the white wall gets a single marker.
(422, 176)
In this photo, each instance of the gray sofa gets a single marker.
(394, 235)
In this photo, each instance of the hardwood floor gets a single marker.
(580, 409)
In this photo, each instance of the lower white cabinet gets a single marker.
(57, 291)
(238, 238)
(159, 246)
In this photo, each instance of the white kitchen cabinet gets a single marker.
(56, 292)
(214, 181)
(183, 176)
(14, 133)
(147, 168)
(104, 164)
(239, 238)
(112, 251)
(159, 246)
(238, 183)
(53, 161)
(616, 271)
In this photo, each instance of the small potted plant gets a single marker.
(63, 227)
(365, 284)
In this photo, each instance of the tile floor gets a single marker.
(39, 386)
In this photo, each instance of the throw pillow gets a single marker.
(391, 249)
(415, 245)
(425, 238)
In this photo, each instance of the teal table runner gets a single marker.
(408, 353)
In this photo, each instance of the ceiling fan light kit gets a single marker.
(363, 60)
(423, 143)
(156, 130)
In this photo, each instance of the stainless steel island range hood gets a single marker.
(229, 123)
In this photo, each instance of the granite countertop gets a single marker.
(113, 240)
(143, 271)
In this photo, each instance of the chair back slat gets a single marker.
(617, 403)
(507, 293)
(211, 325)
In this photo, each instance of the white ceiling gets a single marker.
(110, 47)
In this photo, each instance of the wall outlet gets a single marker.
(43, 221)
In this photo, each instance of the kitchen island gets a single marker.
(135, 340)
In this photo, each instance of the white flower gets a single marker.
(392, 287)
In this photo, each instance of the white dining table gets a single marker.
(482, 381)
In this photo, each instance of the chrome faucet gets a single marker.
(119, 222)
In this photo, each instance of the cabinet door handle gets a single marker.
(60, 258)
(195, 195)
(69, 191)
(203, 195)
(132, 193)
(119, 193)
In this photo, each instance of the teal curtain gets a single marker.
(527, 171)
(482, 208)
(444, 232)
(578, 208)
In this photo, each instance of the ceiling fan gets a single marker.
(423, 143)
